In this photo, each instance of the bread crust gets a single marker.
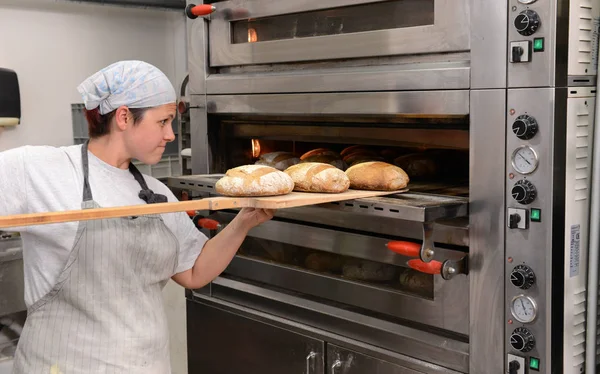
(377, 176)
(318, 177)
(254, 180)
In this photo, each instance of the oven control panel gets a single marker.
(529, 52)
(528, 198)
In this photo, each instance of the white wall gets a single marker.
(53, 46)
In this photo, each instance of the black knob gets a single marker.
(525, 127)
(524, 192)
(522, 276)
(527, 22)
(522, 340)
(513, 367)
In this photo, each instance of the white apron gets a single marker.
(105, 313)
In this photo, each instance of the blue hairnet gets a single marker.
(135, 84)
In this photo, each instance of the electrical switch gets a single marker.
(516, 364)
(520, 51)
(518, 219)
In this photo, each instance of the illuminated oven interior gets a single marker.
(433, 151)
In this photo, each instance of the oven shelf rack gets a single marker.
(410, 206)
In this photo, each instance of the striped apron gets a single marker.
(105, 313)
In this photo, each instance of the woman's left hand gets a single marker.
(250, 217)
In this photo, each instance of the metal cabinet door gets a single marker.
(344, 361)
(221, 342)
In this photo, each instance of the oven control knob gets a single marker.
(524, 192)
(522, 276)
(525, 127)
(522, 340)
(527, 22)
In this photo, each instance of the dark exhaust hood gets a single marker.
(165, 4)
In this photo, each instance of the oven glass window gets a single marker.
(372, 273)
(359, 18)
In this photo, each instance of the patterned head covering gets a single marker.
(135, 84)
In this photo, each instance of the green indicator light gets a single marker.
(535, 215)
(534, 363)
(538, 44)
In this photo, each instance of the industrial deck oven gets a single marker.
(498, 96)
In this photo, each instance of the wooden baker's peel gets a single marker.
(291, 200)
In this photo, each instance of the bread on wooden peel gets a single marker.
(318, 177)
(254, 180)
(377, 176)
(278, 160)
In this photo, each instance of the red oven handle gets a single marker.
(207, 223)
(194, 11)
(408, 249)
(432, 267)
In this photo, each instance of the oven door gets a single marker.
(243, 32)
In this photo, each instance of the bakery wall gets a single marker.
(54, 45)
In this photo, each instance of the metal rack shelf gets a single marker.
(411, 206)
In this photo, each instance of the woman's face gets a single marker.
(146, 140)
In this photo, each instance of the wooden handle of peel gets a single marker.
(213, 203)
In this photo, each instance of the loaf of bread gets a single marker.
(377, 176)
(278, 160)
(254, 180)
(327, 159)
(369, 271)
(323, 261)
(318, 177)
(351, 149)
(418, 165)
(320, 152)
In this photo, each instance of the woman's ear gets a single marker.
(122, 117)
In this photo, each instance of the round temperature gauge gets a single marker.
(524, 160)
(523, 308)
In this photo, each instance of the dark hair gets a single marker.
(99, 124)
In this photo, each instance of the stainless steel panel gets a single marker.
(368, 78)
(344, 361)
(445, 103)
(406, 345)
(197, 46)
(583, 38)
(578, 183)
(12, 288)
(448, 310)
(547, 68)
(223, 342)
(449, 33)
(541, 246)
(488, 43)
(201, 155)
(367, 247)
(486, 229)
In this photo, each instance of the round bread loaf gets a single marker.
(254, 180)
(320, 152)
(327, 159)
(278, 160)
(418, 165)
(377, 176)
(318, 177)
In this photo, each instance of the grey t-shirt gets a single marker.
(37, 179)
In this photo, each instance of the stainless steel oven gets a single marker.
(498, 96)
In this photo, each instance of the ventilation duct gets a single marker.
(165, 4)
